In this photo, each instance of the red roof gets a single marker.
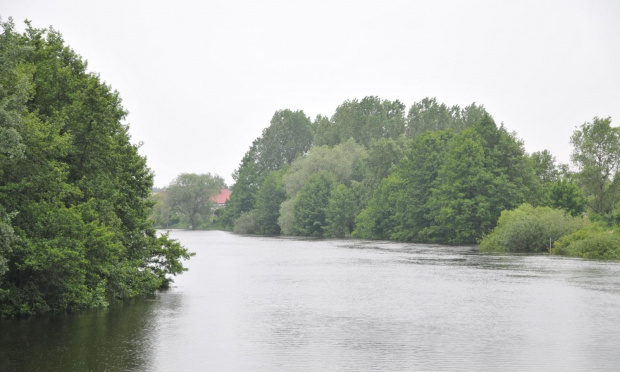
(221, 197)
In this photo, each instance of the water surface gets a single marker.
(278, 304)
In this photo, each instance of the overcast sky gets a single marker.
(202, 79)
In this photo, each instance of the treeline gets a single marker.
(433, 173)
(187, 202)
(74, 227)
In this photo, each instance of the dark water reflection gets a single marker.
(266, 304)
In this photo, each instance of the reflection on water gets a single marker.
(276, 304)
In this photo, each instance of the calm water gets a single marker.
(267, 304)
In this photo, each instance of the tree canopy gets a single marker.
(73, 189)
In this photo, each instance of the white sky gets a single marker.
(201, 79)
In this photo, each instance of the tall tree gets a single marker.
(191, 194)
(310, 209)
(596, 151)
(268, 200)
(363, 120)
(74, 184)
(288, 136)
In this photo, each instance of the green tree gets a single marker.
(370, 118)
(74, 184)
(566, 195)
(430, 115)
(190, 194)
(460, 204)
(596, 152)
(288, 136)
(243, 191)
(268, 201)
(399, 207)
(342, 208)
(310, 209)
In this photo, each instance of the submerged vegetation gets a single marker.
(74, 227)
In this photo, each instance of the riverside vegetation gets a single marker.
(74, 208)
(434, 173)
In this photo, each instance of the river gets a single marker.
(281, 304)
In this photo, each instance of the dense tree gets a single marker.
(430, 115)
(398, 208)
(243, 192)
(343, 206)
(339, 161)
(190, 194)
(365, 120)
(460, 205)
(288, 136)
(268, 200)
(74, 185)
(310, 208)
(596, 151)
(566, 195)
(449, 187)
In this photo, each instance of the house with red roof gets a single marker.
(220, 199)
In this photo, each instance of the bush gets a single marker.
(529, 229)
(245, 224)
(591, 242)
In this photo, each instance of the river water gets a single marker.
(279, 304)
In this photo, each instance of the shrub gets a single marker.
(245, 224)
(591, 242)
(529, 229)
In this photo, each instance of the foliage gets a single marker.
(310, 208)
(596, 151)
(449, 187)
(429, 115)
(268, 200)
(190, 194)
(530, 229)
(73, 184)
(338, 160)
(243, 192)
(245, 224)
(566, 195)
(363, 120)
(591, 242)
(288, 136)
(442, 174)
(398, 209)
(341, 211)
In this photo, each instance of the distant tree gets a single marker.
(339, 160)
(566, 195)
(430, 115)
(544, 166)
(191, 194)
(362, 120)
(461, 205)
(341, 211)
(310, 209)
(596, 151)
(289, 135)
(268, 200)
(244, 190)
